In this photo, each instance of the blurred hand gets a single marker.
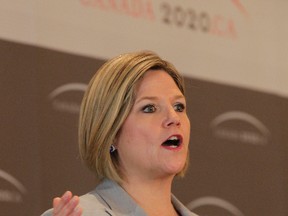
(67, 205)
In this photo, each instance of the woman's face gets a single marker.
(153, 141)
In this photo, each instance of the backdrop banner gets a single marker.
(239, 42)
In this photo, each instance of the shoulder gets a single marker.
(93, 204)
(106, 196)
(181, 208)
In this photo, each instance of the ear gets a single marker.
(115, 143)
(116, 138)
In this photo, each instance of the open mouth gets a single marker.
(173, 142)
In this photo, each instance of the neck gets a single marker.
(153, 195)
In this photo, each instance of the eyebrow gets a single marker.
(153, 98)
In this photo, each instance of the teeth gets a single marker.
(173, 146)
(173, 138)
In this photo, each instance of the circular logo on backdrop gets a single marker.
(240, 127)
(213, 206)
(11, 189)
(67, 98)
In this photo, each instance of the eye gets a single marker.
(179, 107)
(150, 108)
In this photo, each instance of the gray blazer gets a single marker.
(109, 199)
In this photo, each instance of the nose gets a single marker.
(171, 119)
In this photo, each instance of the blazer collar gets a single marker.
(118, 200)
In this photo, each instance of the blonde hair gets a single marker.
(106, 104)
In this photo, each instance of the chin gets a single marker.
(176, 170)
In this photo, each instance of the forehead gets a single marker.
(156, 82)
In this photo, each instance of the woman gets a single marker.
(134, 135)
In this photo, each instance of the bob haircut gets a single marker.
(108, 101)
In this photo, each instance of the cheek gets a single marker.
(186, 126)
(137, 140)
(129, 135)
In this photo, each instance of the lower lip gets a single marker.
(172, 148)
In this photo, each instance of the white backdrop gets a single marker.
(243, 43)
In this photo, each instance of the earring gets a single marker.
(112, 148)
